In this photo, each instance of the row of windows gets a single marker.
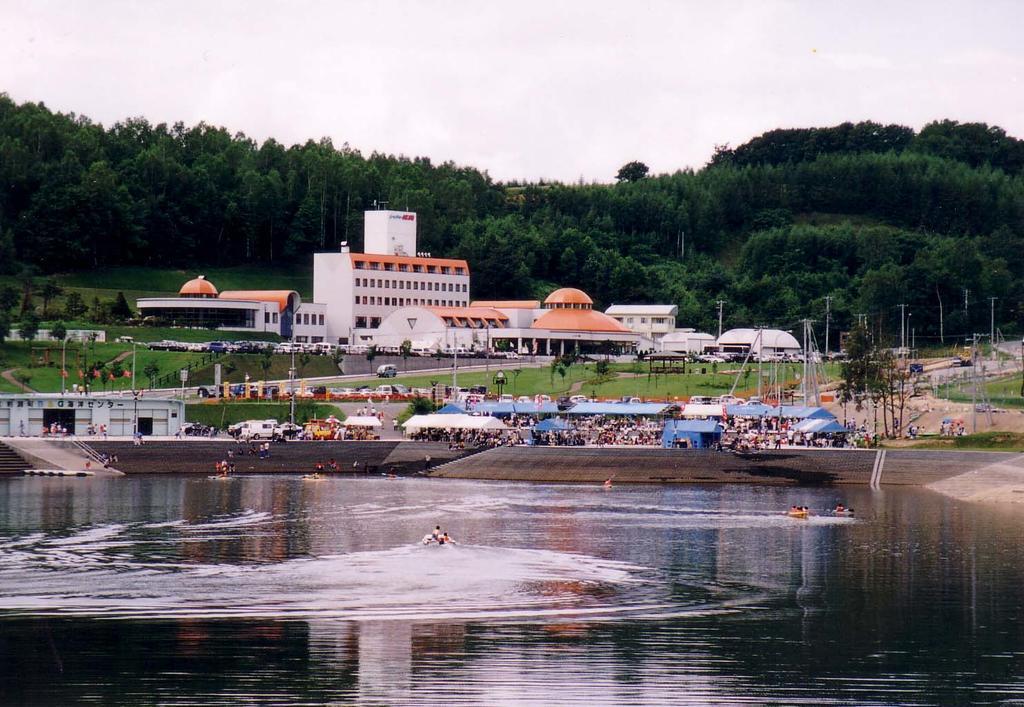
(403, 267)
(409, 301)
(362, 321)
(643, 320)
(268, 316)
(307, 318)
(414, 285)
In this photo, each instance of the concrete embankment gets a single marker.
(59, 454)
(200, 456)
(645, 465)
(967, 475)
(1000, 482)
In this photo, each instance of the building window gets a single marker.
(357, 299)
(274, 317)
(643, 320)
(266, 317)
(360, 322)
(321, 317)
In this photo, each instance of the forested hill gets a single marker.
(869, 215)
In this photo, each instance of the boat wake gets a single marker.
(143, 571)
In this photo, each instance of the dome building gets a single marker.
(200, 305)
(762, 342)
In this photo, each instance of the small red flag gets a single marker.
(95, 373)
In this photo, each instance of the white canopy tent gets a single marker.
(453, 422)
(362, 421)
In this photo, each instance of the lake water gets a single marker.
(277, 590)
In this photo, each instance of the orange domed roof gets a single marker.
(578, 320)
(568, 296)
(199, 287)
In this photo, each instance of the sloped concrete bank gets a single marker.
(966, 475)
(783, 467)
(999, 482)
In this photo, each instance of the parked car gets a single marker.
(253, 429)
(287, 430)
(506, 398)
(387, 370)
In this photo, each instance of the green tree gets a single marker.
(9, 297)
(58, 331)
(120, 310)
(632, 172)
(5, 326)
(74, 306)
(406, 351)
(49, 291)
(28, 327)
(151, 371)
(266, 361)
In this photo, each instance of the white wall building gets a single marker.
(651, 321)
(28, 414)
(360, 290)
(687, 341)
(766, 342)
(200, 305)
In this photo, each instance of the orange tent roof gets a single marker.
(408, 260)
(464, 312)
(279, 296)
(578, 320)
(568, 295)
(199, 286)
(507, 303)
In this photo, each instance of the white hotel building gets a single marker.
(359, 290)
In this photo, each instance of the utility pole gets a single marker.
(828, 318)
(992, 326)
(721, 303)
(974, 381)
(966, 293)
(903, 331)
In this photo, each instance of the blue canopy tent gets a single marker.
(494, 408)
(803, 412)
(693, 434)
(820, 426)
(750, 410)
(620, 409)
(551, 424)
(535, 408)
(451, 409)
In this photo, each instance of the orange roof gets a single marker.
(467, 312)
(578, 320)
(507, 303)
(198, 286)
(568, 295)
(408, 260)
(279, 296)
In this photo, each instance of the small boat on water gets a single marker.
(798, 512)
(57, 472)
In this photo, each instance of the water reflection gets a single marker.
(288, 591)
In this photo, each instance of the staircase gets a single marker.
(11, 462)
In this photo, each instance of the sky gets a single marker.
(524, 90)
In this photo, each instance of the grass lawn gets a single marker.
(46, 378)
(983, 441)
(235, 366)
(1002, 392)
(217, 414)
(534, 381)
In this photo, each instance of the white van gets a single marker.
(388, 370)
(253, 429)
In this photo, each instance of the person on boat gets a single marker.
(446, 540)
(436, 534)
(840, 508)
